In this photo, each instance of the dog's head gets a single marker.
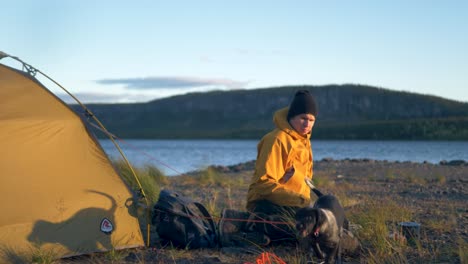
(308, 221)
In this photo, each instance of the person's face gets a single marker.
(303, 123)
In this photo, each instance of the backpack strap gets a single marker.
(207, 216)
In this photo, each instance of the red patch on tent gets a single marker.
(107, 226)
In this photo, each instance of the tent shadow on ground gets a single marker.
(85, 220)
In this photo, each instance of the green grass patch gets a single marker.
(378, 219)
(211, 176)
(150, 178)
(411, 178)
(440, 179)
(323, 181)
(42, 255)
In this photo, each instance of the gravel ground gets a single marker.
(435, 194)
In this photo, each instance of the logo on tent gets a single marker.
(107, 226)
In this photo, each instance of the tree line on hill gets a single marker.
(344, 112)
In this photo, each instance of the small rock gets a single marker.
(456, 163)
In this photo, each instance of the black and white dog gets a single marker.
(321, 226)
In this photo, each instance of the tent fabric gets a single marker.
(59, 191)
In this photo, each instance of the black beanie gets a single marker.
(303, 103)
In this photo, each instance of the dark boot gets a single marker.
(233, 232)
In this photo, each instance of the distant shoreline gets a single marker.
(250, 165)
(182, 156)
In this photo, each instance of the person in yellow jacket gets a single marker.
(284, 160)
(278, 187)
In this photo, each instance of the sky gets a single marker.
(137, 51)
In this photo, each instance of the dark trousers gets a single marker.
(275, 221)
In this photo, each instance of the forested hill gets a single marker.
(345, 112)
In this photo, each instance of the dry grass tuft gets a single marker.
(42, 255)
(150, 178)
(377, 219)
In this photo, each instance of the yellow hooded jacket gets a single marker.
(279, 151)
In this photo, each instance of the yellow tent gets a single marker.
(60, 195)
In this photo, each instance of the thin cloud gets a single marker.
(103, 98)
(170, 82)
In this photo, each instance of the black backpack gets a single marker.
(183, 222)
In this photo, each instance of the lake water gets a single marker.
(180, 156)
